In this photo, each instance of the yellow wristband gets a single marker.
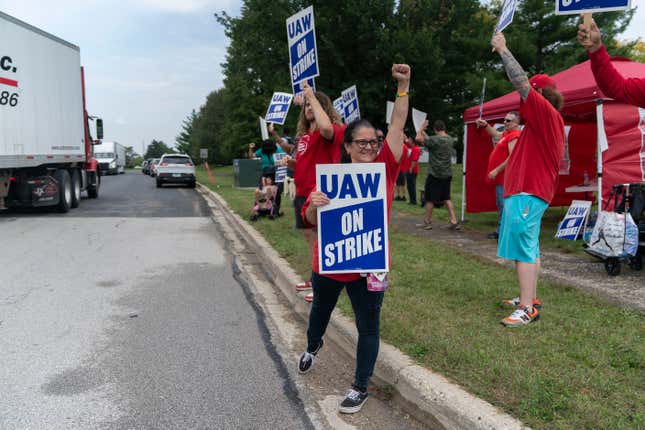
(401, 94)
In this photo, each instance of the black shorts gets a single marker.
(400, 180)
(298, 202)
(437, 190)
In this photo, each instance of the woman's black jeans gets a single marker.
(367, 312)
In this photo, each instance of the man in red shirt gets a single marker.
(414, 152)
(631, 90)
(530, 180)
(499, 157)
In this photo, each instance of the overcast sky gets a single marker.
(148, 63)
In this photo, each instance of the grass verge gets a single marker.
(580, 367)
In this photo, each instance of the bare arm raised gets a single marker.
(515, 73)
(323, 123)
(395, 136)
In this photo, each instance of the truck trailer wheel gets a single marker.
(64, 190)
(94, 185)
(76, 188)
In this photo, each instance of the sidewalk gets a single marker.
(583, 272)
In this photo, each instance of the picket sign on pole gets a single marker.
(481, 100)
(298, 87)
(263, 129)
(389, 108)
(506, 15)
(350, 104)
(418, 117)
(338, 105)
(278, 108)
(353, 227)
(303, 53)
(569, 7)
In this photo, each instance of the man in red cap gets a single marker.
(504, 143)
(530, 181)
(612, 83)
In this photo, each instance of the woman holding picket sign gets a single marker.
(320, 134)
(361, 146)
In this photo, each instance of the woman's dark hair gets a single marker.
(268, 147)
(439, 125)
(349, 137)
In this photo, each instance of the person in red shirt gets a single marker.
(414, 152)
(361, 146)
(612, 83)
(499, 157)
(530, 179)
(400, 180)
(319, 133)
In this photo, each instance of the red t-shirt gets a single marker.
(612, 83)
(314, 149)
(391, 172)
(405, 159)
(535, 161)
(415, 154)
(499, 154)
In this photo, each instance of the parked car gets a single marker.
(144, 167)
(175, 169)
(153, 166)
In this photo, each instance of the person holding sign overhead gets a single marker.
(361, 146)
(530, 180)
(319, 133)
(626, 90)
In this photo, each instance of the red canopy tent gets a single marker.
(597, 123)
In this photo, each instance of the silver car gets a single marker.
(175, 169)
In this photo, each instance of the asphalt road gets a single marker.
(124, 314)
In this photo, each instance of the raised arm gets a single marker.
(515, 73)
(322, 120)
(251, 150)
(489, 129)
(286, 147)
(421, 135)
(395, 136)
(609, 80)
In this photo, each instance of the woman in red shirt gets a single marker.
(319, 135)
(361, 146)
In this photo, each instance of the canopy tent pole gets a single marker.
(463, 179)
(602, 145)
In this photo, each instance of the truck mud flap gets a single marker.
(39, 191)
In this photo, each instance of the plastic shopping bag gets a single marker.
(614, 235)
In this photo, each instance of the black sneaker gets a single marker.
(353, 402)
(307, 359)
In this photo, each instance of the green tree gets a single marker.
(182, 141)
(208, 131)
(156, 149)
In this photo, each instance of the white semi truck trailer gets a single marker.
(111, 157)
(45, 143)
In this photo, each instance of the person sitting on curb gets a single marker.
(499, 157)
(361, 146)
(265, 199)
(531, 179)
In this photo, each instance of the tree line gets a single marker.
(446, 42)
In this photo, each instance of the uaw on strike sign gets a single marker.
(352, 228)
(303, 55)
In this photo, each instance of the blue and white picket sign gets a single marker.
(352, 228)
(574, 220)
(280, 174)
(298, 87)
(506, 16)
(338, 105)
(567, 7)
(279, 108)
(350, 104)
(303, 54)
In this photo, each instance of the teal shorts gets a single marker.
(519, 234)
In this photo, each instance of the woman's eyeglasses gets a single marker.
(364, 143)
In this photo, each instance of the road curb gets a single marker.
(428, 396)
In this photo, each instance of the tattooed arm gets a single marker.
(515, 73)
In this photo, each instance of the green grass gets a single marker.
(580, 367)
